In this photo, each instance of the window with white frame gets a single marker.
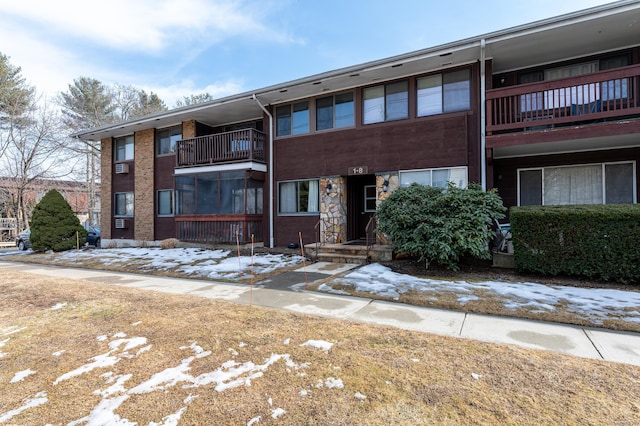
(602, 183)
(166, 140)
(292, 119)
(123, 205)
(124, 148)
(386, 102)
(442, 93)
(298, 197)
(165, 204)
(435, 177)
(334, 112)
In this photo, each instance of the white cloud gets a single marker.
(143, 25)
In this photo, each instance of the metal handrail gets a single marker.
(370, 231)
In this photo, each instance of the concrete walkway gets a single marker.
(287, 292)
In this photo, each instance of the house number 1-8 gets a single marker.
(358, 170)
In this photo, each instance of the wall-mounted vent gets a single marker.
(121, 223)
(122, 168)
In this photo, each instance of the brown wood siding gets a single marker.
(505, 170)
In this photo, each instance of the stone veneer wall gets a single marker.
(106, 197)
(383, 192)
(333, 210)
(144, 194)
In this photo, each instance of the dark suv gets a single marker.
(23, 241)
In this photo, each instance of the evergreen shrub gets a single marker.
(54, 226)
(591, 241)
(440, 225)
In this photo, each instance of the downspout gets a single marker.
(483, 141)
(271, 194)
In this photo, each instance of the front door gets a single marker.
(361, 205)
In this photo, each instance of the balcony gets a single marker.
(604, 96)
(229, 147)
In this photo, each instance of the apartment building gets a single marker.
(546, 112)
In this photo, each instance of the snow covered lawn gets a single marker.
(591, 305)
(194, 262)
(84, 353)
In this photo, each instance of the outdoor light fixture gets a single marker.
(329, 186)
(385, 185)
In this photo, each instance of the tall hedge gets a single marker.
(590, 241)
(441, 226)
(54, 226)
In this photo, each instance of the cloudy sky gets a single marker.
(180, 47)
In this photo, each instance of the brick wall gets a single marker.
(144, 206)
(106, 196)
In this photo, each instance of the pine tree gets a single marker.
(54, 226)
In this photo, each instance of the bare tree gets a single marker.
(91, 104)
(35, 151)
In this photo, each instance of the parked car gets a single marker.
(93, 236)
(23, 241)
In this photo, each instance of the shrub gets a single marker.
(440, 225)
(169, 243)
(54, 226)
(594, 241)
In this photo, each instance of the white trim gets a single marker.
(250, 165)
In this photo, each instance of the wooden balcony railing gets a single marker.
(239, 145)
(219, 229)
(604, 95)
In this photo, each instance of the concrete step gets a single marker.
(342, 258)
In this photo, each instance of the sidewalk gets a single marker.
(287, 292)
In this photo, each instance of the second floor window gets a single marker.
(292, 119)
(124, 148)
(166, 140)
(333, 112)
(441, 93)
(385, 103)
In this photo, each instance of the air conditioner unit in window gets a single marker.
(122, 168)
(121, 223)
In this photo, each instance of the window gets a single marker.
(334, 112)
(618, 88)
(386, 103)
(435, 177)
(292, 119)
(165, 202)
(370, 198)
(166, 140)
(123, 204)
(299, 197)
(605, 183)
(185, 194)
(442, 93)
(124, 148)
(229, 192)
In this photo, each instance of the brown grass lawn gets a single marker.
(370, 376)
